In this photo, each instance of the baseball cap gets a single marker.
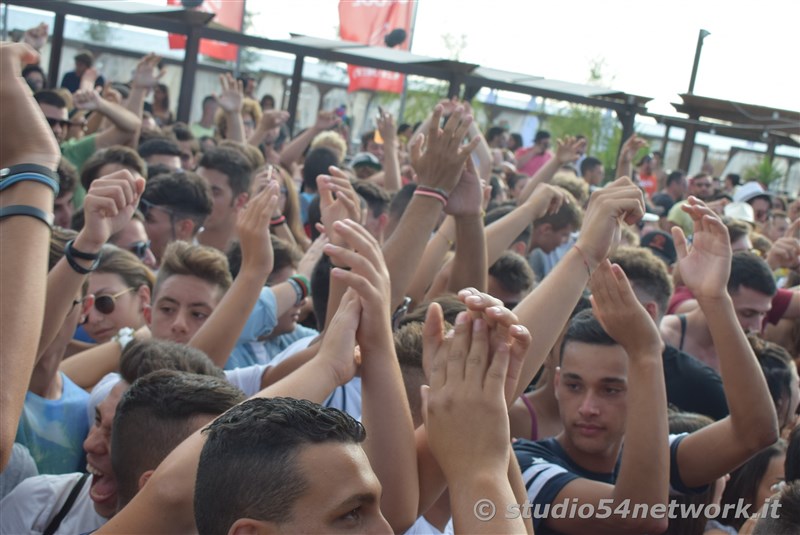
(662, 245)
(741, 211)
(365, 158)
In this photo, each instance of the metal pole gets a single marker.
(188, 77)
(404, 94)
(702, 35)
(56, 48)
(294, 93)
(4, 35)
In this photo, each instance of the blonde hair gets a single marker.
(331, 140)
(577, 186)
(249, 106)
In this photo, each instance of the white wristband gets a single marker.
(124, 337)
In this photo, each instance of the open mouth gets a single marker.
(103, 488)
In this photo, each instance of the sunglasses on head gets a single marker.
(139, 248)
(62, 122)
(105, 304)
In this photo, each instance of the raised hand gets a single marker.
(337, 201)
(504, 328)
(569, 149)
(387, 128)
(273, 119)
(111, 95)
(441, 163)
(35, 142)
(231, 96)
(467, 197)
(338, 347)
(326, 120)
(147, 73)
(36, 37)
(109, 206)
(466, 398)
(620, 201)
(621, 314)
(705, 265)
(546, 200)
(368, 276)
(252, 228)
(631, 146)
(87, 99)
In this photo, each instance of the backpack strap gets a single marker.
(73, 495)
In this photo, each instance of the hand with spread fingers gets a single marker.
(569, 149)
(231, 97)
(442, 161)
(147, 72)
(705, 265)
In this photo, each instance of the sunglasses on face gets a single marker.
(62, 122)
(139, 248)
(105, 304)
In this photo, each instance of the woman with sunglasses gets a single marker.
(121, 286)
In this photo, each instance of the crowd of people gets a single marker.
(219, 327)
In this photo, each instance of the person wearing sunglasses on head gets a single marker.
(121, 286)
(133, 238)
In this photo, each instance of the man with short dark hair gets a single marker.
(205, 127)
(174, 206)
(673, 192)
(161, 151)
(610, 389)
(593, 172)
(286, 442)
(190, 147)
(228, 173)
(377, 208)
(497, 137)
(510, 279)
(157, 413)
(84, 60)
(751, 287)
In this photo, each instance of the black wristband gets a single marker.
(25, 210)
(69, 253)
(80, 254)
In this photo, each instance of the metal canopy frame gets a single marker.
(195, 25)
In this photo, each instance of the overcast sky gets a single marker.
(752, 54)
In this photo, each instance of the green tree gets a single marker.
(98, 31)
(765, 172)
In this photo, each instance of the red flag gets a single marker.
(368, 22)
(230, 17)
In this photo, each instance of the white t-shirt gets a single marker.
(31, 506)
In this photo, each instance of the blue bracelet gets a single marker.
(28, 175)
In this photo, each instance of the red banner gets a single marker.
(230, 17)
(369, 22)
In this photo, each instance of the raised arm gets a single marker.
(432, 260)
(107, 208)
(26, 139)
(471, 266)
(270, 122)
(126, 124)
(293, 150)
(217, 337)
(466, 420)
(546, 199)
(385, 411)
(627, 153)
(439, 167)
(568, 150)
(145, 77)
(231, 100)
(752, 425)
(172, 485)
(547, 308)
(645, 465)
(391, 161)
